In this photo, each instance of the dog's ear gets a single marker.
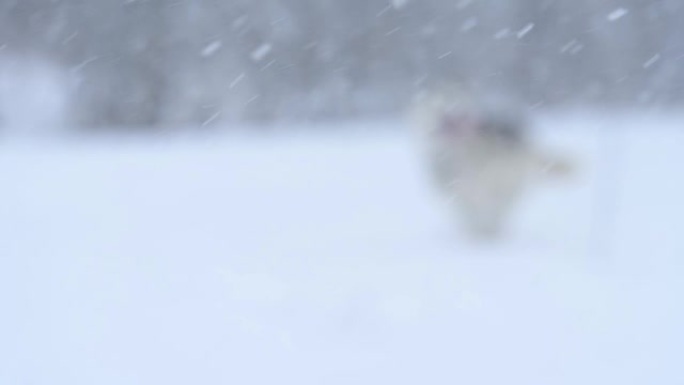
(458, 124)
(554, 166)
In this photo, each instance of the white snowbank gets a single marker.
(324, 259)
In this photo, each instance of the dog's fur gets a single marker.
(480, 155)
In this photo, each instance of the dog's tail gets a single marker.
(552, 166)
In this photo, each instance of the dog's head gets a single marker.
(447, 118)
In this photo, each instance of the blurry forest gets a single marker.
(202, 62)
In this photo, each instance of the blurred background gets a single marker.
(156, 63)
(227, 192)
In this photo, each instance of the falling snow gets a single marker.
(384, 11)
(237, 80)
(653, 60)
(84, 64)
(617, 14)
(463, 4)
(502, 34)
(527, 29)
(261, 52)
(240, 22)
(469, 24)
(392, 31)
(399, 4)
(212, 48)
(220, 192)
(211, 119)
(572, 47)
(251, 100)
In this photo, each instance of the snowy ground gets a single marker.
(325, 259)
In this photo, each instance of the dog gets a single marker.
(480, 156)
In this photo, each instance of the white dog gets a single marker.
(480, 156)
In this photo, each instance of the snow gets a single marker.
(211, 48)
(317, 258)
(463, 4)
(653, 60)
(399, 4)
(34, 95)
(617, 14)
(211, 119)
(384, 10)
(240, 22)
(236, 81)
(70, 38)
(392, 31)
(502, 34)
(525, 30)
(573, 47)
(469, 24)
(261, 52)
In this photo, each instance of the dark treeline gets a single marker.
(166, 62)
